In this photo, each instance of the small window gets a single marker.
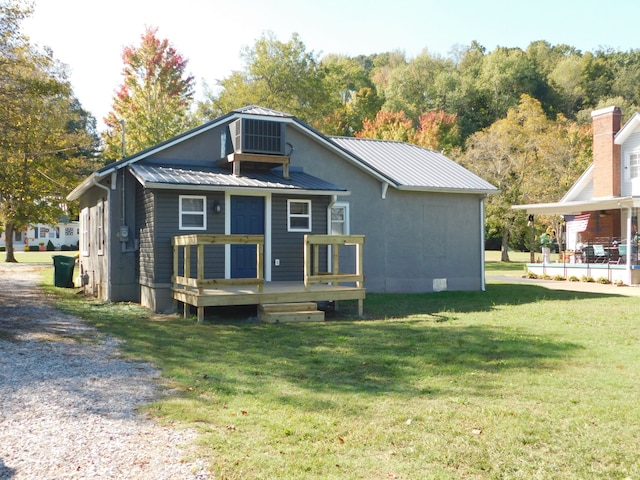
(84, 228)
(634, 165)
(100, 238)
(299, 215)
(339, 219)
(193, 212)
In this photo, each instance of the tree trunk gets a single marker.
(9, 228)
(504, 249)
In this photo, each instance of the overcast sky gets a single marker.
(89, 36)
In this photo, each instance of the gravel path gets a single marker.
(68, 400)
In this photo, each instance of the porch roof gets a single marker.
(566, 208)
(216, 178)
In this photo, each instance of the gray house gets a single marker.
(260, 172)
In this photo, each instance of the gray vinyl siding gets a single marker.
(288, 247)
(146, 219)
(167, 226)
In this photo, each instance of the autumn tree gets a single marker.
(530, 158)
(388, 126)
(153, 104)
(437, 131)
(44, 132)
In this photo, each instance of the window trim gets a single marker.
(291, 216)
(100, 227)
(84, 232)
(203, 213)
(630, 167)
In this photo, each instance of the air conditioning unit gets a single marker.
(250, 135)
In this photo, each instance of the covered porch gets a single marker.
(599, 240)
(193, 289)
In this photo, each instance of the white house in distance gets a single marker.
(63, 233)
(602, 208)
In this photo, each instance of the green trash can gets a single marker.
(63, 271)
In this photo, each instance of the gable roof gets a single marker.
(401, 165)
(629, 127)
(411, 167)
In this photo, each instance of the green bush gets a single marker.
(33, 248)
(50, 246)
(2, 249)
(65, 248)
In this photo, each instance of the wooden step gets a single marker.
(290, 312)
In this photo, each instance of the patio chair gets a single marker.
(622, 255)
(600, 254)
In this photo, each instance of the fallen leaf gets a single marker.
(408, 422)
(340, 439)
(244, 412)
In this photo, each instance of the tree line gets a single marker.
(520, 118)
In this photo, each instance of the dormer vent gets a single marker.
(250, 135)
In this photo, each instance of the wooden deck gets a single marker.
(317, 286)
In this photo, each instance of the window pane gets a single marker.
(299, 208)
(299, 222)
(191, 220)
(192, 205)
(337, 214)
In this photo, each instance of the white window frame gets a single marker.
(345, 222)
(100, 233)
(292, 216)
(203, 213)
(84, 232)
(633, 168)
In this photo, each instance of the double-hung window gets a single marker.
(299, 215)
(634, 165)
(193, 212)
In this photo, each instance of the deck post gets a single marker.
(200, 314)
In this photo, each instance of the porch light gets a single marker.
(217, 208)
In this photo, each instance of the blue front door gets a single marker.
(247, 217)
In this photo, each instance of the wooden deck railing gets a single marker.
(186, 242)
(312, 244)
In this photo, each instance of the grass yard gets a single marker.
(36, 257)
(518, 382)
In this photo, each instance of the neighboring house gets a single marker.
(601, 208)
(258, 171)
(63, 233)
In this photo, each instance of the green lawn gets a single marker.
(36, 257)
(517, 382)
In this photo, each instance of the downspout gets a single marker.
(482, 263)
(108, 190)
(385, 187)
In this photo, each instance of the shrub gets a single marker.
(603, 280)
(2, 249)
(558, 277)
(546, 276)
(530, 275)
(65, 248)
(587, 279)
(573, 278)
(620, 283)
(50, 246)
(34, 248)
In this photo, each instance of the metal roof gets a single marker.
(414, 168)
(216, 178)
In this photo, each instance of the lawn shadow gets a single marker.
(384, 306)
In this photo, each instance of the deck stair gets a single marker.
(290, 312)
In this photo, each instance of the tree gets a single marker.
(43, 130)
(154, 102)
(437, 131)
(388, 126)
(530, 158)
(278, 75)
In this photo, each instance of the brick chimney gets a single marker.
(606, 154)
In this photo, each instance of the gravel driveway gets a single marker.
(68, 400)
